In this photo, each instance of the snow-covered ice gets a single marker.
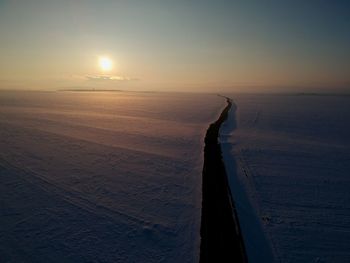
(102, 176)
(288, 158)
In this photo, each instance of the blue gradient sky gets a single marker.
(176, 45)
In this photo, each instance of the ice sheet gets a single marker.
(102, 176)
(289, 163)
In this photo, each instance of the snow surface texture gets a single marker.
(289, 161)
(102, 176)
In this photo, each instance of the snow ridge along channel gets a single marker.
(221, 239)
(257, 245)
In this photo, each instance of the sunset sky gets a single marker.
(175, 45)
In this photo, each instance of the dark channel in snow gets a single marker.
(221, 239)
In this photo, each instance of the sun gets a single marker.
(105, 63)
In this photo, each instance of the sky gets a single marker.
(182, 45)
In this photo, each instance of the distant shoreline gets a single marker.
(315, 94)
(91, 90)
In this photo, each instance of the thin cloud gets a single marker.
(108, 78)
